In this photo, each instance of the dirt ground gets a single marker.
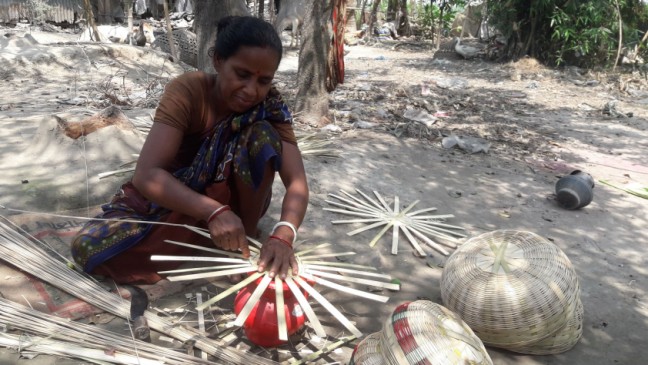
(540, 124)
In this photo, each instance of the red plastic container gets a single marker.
(261, 325)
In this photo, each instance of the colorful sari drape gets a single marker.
(244, 143)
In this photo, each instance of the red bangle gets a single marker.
(285, 242)
(217, 212)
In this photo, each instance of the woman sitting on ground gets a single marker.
(209, 161)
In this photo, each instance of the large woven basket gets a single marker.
(514, 289)
(422, 332)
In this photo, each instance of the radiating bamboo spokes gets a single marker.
(330, 307)
(312, 267)
(281, 313)
(252, 300)
(375, 213)
(303, 303)
(233, 289)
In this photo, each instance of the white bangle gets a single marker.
(287, 224)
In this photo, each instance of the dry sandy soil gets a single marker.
(541, 124)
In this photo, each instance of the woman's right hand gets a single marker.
(228, 233)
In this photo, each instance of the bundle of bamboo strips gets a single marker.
(81, 340)
(33, 256)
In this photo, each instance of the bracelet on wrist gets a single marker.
(217, 212)
(285, 242)
(287, 224)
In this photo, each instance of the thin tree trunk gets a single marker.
(363, 19)
(128, 5)
(172, 45)
(90, 21)
(372, 19)
(208, 13)
(616, 61)
(404, 28)
(440, 25)
(312, 98)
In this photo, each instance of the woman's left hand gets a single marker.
(277, 258)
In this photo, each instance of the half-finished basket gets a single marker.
(516, 290)
(422, 332)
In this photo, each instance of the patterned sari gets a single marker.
(244, 144)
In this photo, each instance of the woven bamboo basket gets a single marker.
(422, 332)
(561, 341)
(514, 289)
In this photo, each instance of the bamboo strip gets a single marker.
(438, 233)
(212, 274)
(413, 241)
(348, 207)
(303, 252)
(339, 264)
(380, 234)
(282, 327)
(233, 289)
(350, 213)
(326, 304)
(368, 220)
(357, 272)
(303, 303)
(207, 249)
(378, 284)
(434, 224)
(429, 241)
(395, 231)
(334, 254)
(195, 258)
(367, 227)
(201, 321)
(252, 301)
(382, 201)
(369, 199)
(346, 289)
(424, 210)
(205, 268)
(357, 204)
(370, 204)
(31, 256)
(326, 349)
(46, 346)
(103, 175)
(440, 228)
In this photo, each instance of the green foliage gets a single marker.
(430, 15)
(575, 32)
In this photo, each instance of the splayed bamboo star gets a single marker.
(313, 268)
(416, 225)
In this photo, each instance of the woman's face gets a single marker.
(245, 78)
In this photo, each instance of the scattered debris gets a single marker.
(466, 143)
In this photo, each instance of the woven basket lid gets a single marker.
(422, 332)
(513, 288)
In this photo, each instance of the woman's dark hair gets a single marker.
(237, 31)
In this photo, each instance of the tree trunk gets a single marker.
(261, 8)
(440, 25)
(208, 13)
(90, 21)
(128, 6)
(392, 10)
(404, 28)
(172, 45)
(363, 19)
(372, 19)
(312, 98)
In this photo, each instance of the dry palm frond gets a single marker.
(315, 144)
(377, 213)
(74, 339)
(33, 256)
(310, 270)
